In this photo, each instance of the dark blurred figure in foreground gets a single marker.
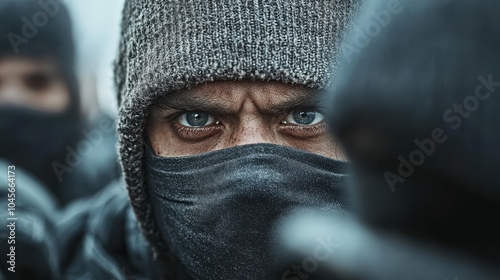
(418, 113)
(41, 126)
(52, 154)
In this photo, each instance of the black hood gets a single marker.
(34, 139)
(41, 30)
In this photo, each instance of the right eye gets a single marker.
(305, 117)
(196, 119)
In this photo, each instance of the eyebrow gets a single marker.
(192, 101)
(296, 100)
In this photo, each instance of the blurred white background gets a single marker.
(96, 26)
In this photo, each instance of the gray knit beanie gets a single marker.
(168, 45)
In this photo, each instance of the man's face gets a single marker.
(225, 114)
(32, 83)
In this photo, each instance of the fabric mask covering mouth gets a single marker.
(218, 211)
(34, 139)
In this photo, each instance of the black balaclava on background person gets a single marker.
(215, 212)
(31, 138)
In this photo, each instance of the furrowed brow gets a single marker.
(191, 101)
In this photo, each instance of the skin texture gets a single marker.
(32, 83)
(243, 112)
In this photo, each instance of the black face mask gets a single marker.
(34, 139)
(218, 211)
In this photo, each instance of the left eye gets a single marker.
(196, 119)
(304, 117)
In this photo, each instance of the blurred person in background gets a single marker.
(53, 154)
(41, 125)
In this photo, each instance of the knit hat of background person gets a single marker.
(171, 45)
(40, 30)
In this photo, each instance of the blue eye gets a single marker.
(304, 117)
(196, 119)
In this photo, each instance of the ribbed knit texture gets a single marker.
(170, 45)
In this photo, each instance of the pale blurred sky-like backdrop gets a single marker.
(96, 26)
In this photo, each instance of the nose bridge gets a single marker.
(252, 129)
